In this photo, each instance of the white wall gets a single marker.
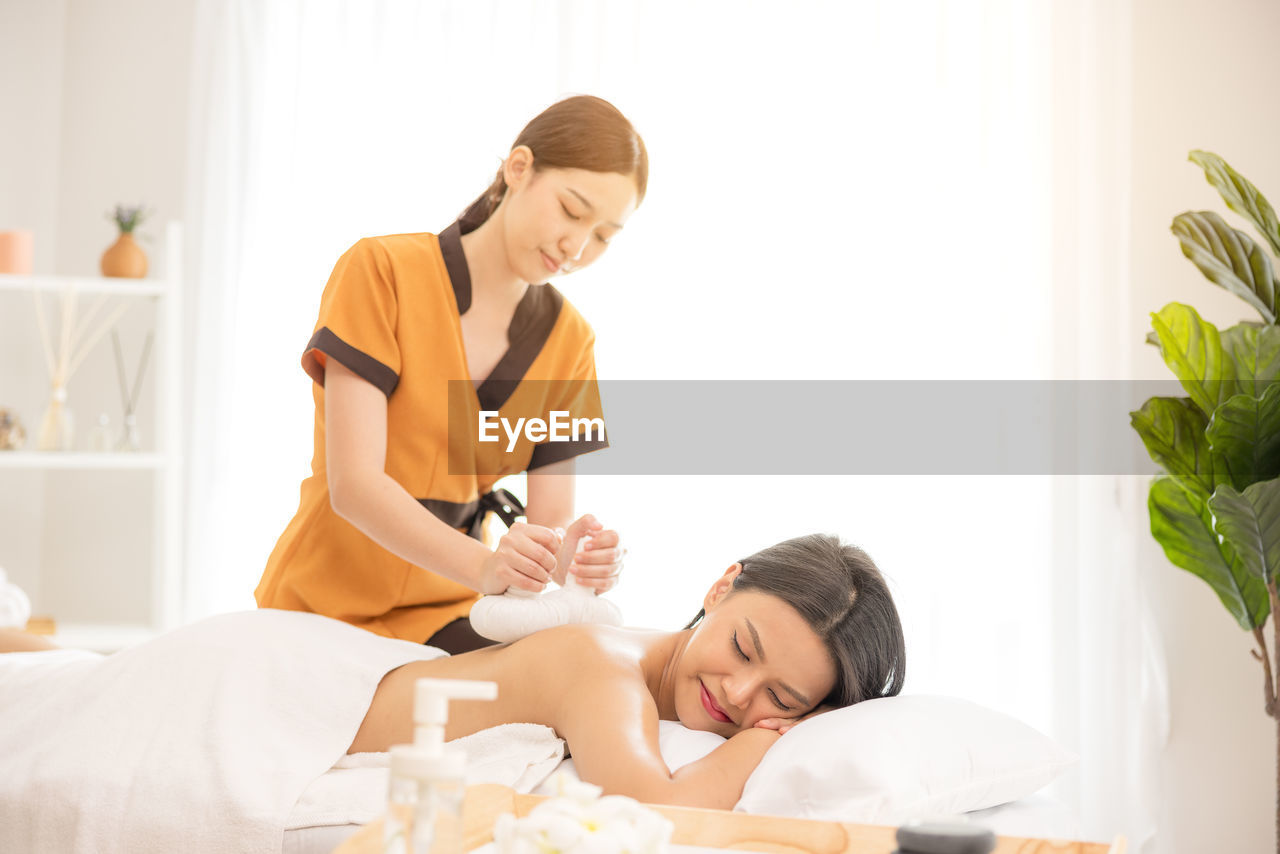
(1203, 77)
(31, 55)
(97, 94)
(31, 59)
(102, 118)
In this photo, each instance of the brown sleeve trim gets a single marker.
(358, 361)
(547, 453)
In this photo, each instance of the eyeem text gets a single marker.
(561, 428)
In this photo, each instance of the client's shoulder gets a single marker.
(589, 646)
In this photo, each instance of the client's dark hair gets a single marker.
(841, 594)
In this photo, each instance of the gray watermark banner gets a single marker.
(872, 427)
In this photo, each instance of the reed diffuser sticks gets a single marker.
(74, 342)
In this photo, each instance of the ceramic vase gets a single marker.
(125, 258)
(16, 252)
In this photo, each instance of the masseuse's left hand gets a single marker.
(597, 564)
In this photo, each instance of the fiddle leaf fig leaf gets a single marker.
(1255, 350)
(1173, 430)
(1240, 195)
(1228, 258)
(1244, 436)
(1192, 349)
(1183, 525)
(1249, 522)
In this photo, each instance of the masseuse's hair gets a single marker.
(582, 132)
(841, 594)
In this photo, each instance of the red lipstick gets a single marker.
(713, 709)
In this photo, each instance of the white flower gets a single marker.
(579, 821)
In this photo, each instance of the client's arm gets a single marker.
(611, 724)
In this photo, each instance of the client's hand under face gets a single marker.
(781, 725)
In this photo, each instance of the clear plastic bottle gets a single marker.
(100, 435)
(424, 815)
(428, 780)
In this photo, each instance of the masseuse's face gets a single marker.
(560, 220)
(752, 657)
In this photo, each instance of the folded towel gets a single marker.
(354, 791)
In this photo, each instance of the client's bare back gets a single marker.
(535, 675)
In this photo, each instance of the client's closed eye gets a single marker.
(772, 696)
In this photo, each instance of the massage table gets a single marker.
(707, 829)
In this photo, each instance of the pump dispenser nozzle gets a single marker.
(427, 757)
(431, 707)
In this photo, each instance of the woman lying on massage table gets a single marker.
(799, 627)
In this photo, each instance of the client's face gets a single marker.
(752, 657)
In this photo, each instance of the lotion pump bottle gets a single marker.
(428, 779)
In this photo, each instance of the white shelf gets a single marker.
(105, 638)
(109, 571)
(84, 285)
(79, 460)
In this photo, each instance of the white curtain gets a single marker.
(1109, 676)
(843, 191)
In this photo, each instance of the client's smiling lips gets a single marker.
(713, 708)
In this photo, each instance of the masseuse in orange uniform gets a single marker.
(420, 333)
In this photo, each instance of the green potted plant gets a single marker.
(1216, 509)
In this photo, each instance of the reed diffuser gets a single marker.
(130, 440)
(63, 356)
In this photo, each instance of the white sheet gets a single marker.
(227, 733)
(343, 799)
(203, 738)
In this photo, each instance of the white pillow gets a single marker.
(893, 759)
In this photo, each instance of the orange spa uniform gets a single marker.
(391, 313)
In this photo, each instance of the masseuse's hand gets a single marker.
(524, 559)
(597, 564)
(781, 725)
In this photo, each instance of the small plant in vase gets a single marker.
(125, 258)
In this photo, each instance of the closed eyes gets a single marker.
(576, 217)
(777, 702)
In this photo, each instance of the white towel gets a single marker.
(202, 739)
(354, 791)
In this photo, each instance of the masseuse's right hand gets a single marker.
(524, 559)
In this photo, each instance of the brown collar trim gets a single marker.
(530, 327)
(455, 263)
